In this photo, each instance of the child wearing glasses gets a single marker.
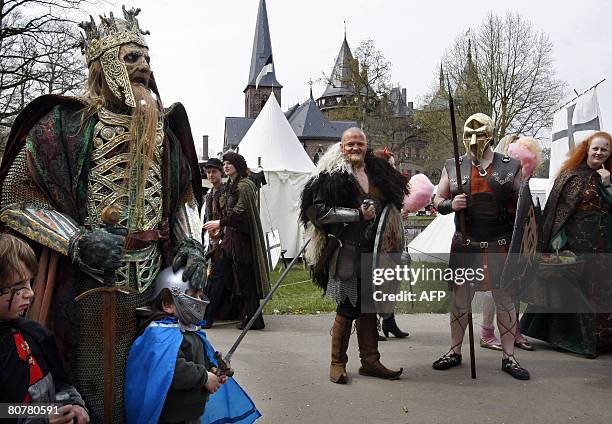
(31, 369)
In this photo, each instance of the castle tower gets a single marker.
(255, 97)
(339, 85)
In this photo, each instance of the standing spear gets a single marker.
(451, 107)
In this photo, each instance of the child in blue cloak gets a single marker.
(170, 373)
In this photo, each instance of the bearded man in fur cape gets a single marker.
(342, 228)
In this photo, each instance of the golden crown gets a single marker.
(110, 33)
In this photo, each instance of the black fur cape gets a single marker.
(341, 188)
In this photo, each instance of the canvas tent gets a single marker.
(433, 243)
(287, 167)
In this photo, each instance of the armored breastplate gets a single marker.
(110, 163)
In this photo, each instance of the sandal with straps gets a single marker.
(447, 362)
(512, 367)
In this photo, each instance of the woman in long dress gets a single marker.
(577, 218)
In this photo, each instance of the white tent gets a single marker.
(287, 167)
(433, 243)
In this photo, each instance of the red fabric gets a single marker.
(24, 353)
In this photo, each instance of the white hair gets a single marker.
(332, 161)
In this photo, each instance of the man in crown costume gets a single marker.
(490, 184)
(106, 187)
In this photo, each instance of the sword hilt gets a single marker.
(110, 215)
(223, 366)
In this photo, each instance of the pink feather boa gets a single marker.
(421, 190)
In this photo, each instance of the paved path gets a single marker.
(285, 370)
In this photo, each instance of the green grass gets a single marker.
(299, 295)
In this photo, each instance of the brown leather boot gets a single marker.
(341, 333)
(367, 336)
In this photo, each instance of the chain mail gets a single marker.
(340, 290)
(19, 188)
(90, 355)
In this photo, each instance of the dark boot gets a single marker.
(341, 333)
(367, 335)
(258, 324)
(390, 326)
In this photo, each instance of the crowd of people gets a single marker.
(103, 219)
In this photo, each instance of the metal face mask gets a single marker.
(477, 135)
(189, 310)
(103, 42)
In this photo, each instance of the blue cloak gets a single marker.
(149, 372)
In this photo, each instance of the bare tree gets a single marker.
(38, 53)
(503, 68)
(515, 68)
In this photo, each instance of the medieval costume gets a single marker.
(330, 210)
(218, 292)
(105, 188)
(32, 371)
(389, 325)
(578, 211)
(243, 246)
(528, 151)
(169, 364)
(491, 196)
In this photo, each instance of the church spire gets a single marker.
(340, 79)
(441, 77)
(262, 50)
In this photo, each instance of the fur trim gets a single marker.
(317, 243)
(332, 161)
(333, 180)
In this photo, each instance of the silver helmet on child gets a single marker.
(189, 309)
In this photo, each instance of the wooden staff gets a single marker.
(451, 106)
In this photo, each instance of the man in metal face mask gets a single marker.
(488, 197)
(184, 303)
(477, 139)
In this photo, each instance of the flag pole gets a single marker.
(581, 94)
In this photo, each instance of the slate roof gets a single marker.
(337, 86)
(308, 122)
(235, 129)
(262, 50)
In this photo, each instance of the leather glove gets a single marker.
(191, 255)
(99, 251)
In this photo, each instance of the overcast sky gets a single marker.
(201, 49)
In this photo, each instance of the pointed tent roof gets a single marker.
(308, 122)
(341, 74)
(271, 138)
(262, 50)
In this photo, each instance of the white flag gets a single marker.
(266, 69)
(274, 247)
(571, 126)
